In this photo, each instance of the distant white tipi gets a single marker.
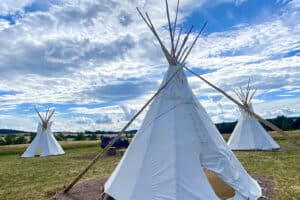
(249, 134)
(176, 141)
(44, 143)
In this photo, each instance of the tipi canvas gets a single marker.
(176, 141)
(249, 133)
(44, 143)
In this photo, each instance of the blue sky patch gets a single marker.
(42, 6)
(8, 92)
(225, 16)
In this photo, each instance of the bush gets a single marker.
(70, 137)
(93, 136)
(80, 136)
(130, 135)
(2, 142)
(60, 137)
(32, 136)
(13, 139)
(20, 140)
(10, 139)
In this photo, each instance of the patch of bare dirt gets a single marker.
(85, 190)
(288, 148)
(92, 189)
(267, 185)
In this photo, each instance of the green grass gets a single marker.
(282, 167)
(20, 148)
(35, 178)
(38, 178)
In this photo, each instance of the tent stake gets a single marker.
(262, 120)
(120, 133)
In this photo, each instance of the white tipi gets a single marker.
(249, 134)
(176, 141)
(44, 143)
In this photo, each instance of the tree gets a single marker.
(93, 136)
(286, 125)
(60, 137)
(296, 123)
(101, 137)
(32, 136)
(2, 142)
(226, 127)
(20, 140)
(10, 139)
(80, 136)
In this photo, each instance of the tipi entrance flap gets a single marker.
(217, 157)
(221, 188)
(38, 151)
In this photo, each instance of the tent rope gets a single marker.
(259, 118)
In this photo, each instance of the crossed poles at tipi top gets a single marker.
(246, 95)
(177, 55)
(46, 118)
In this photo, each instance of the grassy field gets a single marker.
(38, 178)
(20, 148)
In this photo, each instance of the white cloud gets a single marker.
(3, 24)
(100, 110)
(295, 3)
(85, 52)
(287, 107)
(18, 122)
(13, 6)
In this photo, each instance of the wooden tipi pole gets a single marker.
(102, 153)
(105, 197)
(259, 118)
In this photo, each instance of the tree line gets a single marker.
(10, 139)
(284, 123)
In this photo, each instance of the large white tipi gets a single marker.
(249, 134)
(44, 143)
(176, 141)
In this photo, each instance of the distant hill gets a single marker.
(110, 132)
(285, 123)
(11, 131)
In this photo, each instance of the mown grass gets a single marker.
(38, 178)
(20, 148)
(282, 167)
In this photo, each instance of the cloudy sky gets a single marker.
(96, 62)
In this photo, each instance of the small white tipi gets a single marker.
(176, 141)
(249, 134)
(44, 143)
